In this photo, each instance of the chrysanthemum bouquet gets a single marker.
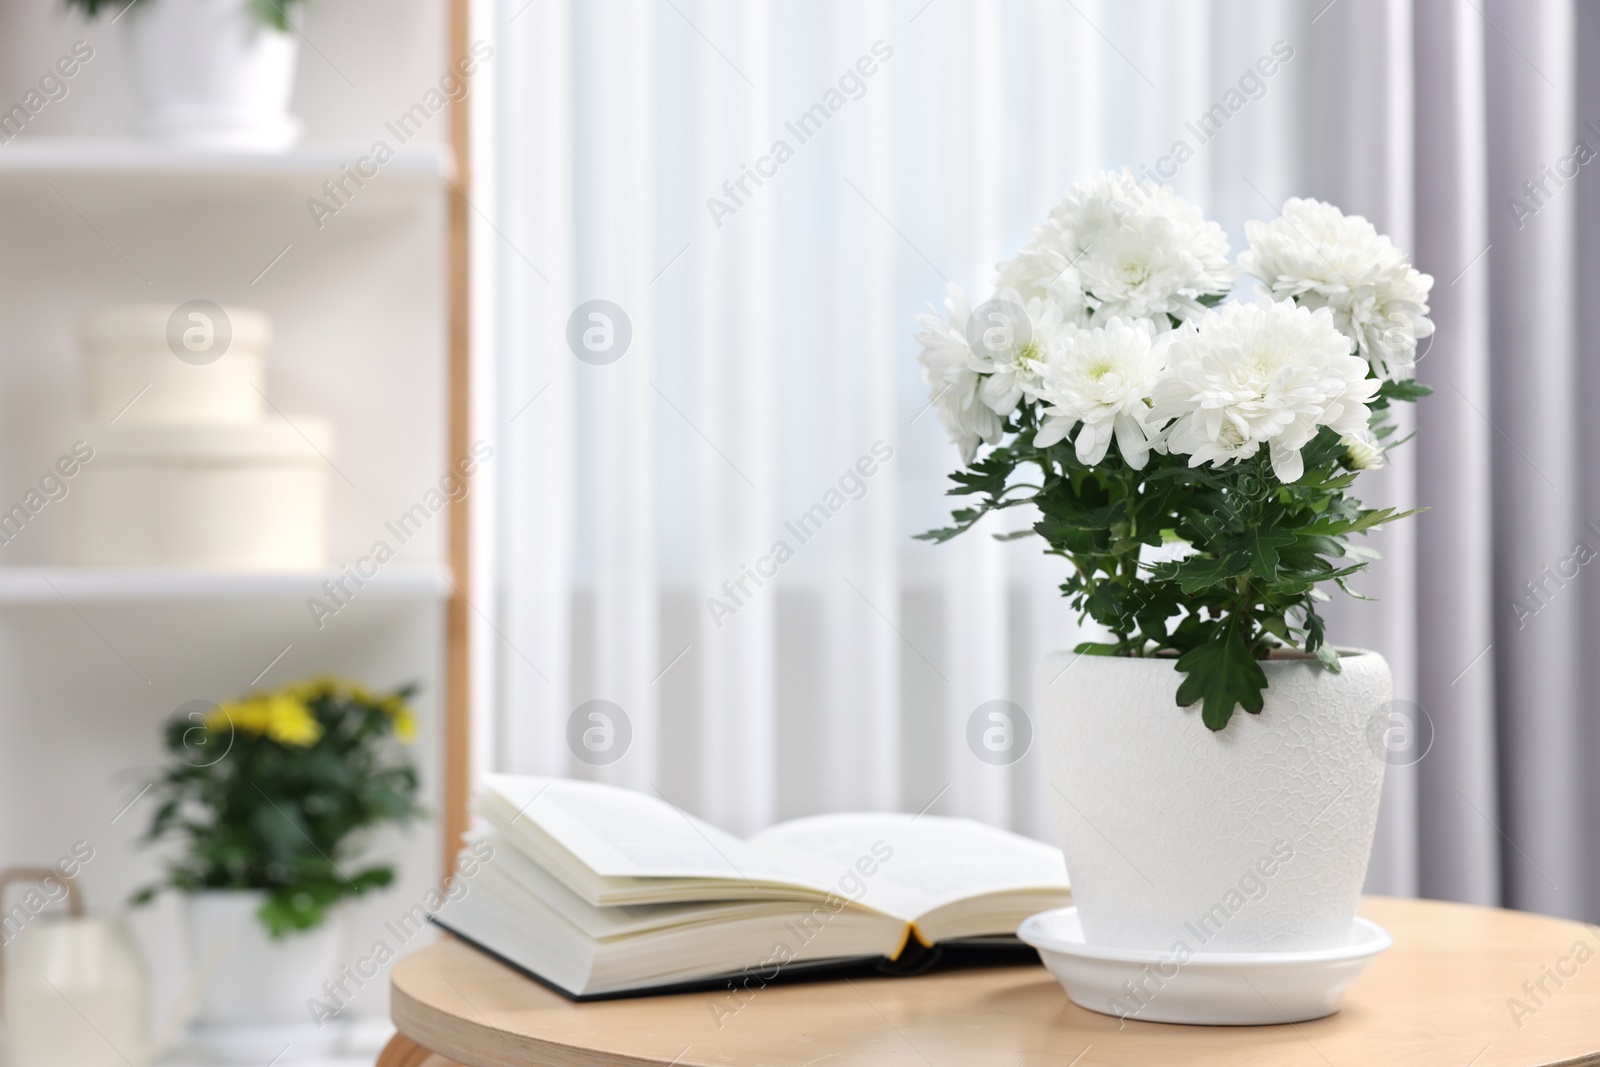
(272, 791)
(1193, 457)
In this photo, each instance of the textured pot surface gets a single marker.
(1253, 839)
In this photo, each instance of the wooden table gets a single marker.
(1442, 996)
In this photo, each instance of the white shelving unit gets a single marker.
(418, 583)
(96, 659)
(128, 160)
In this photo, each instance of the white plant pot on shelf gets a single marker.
(253, 989)
(211, 74)
(1252, 839)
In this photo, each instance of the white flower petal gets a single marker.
(1322, 258)
(1091, 444)
(954, 377)
(1119, 247)
(1287, 463)
(1100, 376)
(1054, 430)
(1132, 442)
(1252, 374)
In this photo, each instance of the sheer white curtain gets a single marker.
(713, 532)
(771, 291)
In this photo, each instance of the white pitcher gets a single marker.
(74, 986)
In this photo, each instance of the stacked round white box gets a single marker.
(192, 467)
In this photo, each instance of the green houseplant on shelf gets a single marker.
(1189, 453)
(268, 799)
(212, 74)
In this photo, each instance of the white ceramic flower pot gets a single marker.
(210, 74)
(253, 989)
(1254, 839)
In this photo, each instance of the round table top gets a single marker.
(1462, 986)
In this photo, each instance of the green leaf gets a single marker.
(940, 535)
(1379, 516)
(1315, 635)
(1328, 656)
(1197, 573)
(1224, 675)
(1096, 648)
(1407, 389)
(1342, 584)
(1261, 547)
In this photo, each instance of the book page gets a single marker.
(617, 833)
(920, 863)
(523, 884)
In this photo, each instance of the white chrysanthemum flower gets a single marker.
(1322, 257)
(1102, 378)
(1269, 373)
(1014, 341)
(1118, 247)
(955, 375)
(1362, 455)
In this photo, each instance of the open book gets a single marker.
(600, 891)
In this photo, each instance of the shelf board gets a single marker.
(133, 165)
(64, 585)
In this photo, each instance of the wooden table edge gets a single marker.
(435, 1029)
(431, 1031)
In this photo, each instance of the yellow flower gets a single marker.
(312, 688)
(220, 718)
(324, 685)
(405, 725)
(277, 715)
(291, 723)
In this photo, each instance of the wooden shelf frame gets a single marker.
(454, 818)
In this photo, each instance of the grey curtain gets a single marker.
(1470, 130)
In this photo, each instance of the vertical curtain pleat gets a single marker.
(1253, 172)
(1187, 76)
(733, 409)
(532, 288)
(1587, 280)
(860, 708)
(974, 661)
(616, 211)
(1458, 858)
(1536, 463)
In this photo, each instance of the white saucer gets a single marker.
(1214, 988)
